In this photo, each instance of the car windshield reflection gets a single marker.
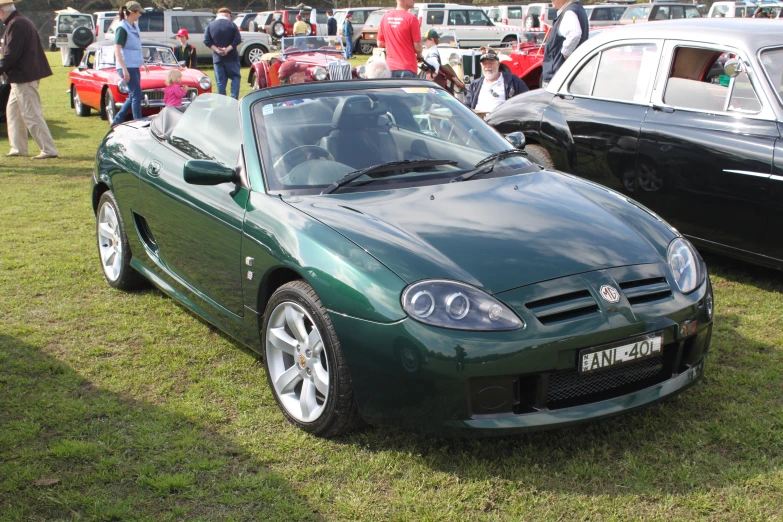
(152, 55)
(313, 140)
(312, 43)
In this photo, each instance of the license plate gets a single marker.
(593, 360)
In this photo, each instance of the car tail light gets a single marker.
(315, 29)
(96, 31)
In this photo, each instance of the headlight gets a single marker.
(454, 59)
(205, 83)
(450, 304)
(320, 74)
(123, 87)
(685, 264)
(361, 72)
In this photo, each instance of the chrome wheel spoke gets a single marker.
(282, 341)
(295, 321)
(288, 380)
(307, 400)
(107, 230)
(314, 342)
(109, 244)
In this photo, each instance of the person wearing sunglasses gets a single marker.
(494, 87)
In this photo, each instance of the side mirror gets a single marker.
(733, 67)
(517, 139)
(83, 67)
(204, 172)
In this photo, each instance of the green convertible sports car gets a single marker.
(395, 260)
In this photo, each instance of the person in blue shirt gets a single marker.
(222, 36)
(129, 59)
(348, 35)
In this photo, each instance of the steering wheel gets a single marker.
(298, 155)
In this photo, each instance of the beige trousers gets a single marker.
(23, 113)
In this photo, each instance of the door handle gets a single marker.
(667, 110)
(153, 169)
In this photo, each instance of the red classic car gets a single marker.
(324, 57)
(95, 84)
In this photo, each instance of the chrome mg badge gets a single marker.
(609, 294)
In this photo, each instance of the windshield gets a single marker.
(640, 13)
(311, 43)
(772, 62)
(67, 23)
(310, 141)
(151, 54)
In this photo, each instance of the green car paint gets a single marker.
(223, 249)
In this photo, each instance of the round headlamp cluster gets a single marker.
(454, 59)
(122, 86)
(450, 304)
(205, 83)
(361, 72)
(320, 74)
(685, 264)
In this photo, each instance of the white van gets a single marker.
(469, 24)
(507, 14)
(731, 10)
(103, 20)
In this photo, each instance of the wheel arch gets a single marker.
(73, 88)
(274, 279)
(102, 108)
(97, 192)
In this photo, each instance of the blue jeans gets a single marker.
(403, 74)
(349, 46)
(133, 102)
(224, 71)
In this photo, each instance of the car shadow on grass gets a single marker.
(71, 450)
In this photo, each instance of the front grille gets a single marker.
(564, 307)
(340, 70)
(570, 384)
(644, 291)
(155, 97)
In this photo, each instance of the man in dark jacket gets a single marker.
(571, 30)
(222, 36)
(25, 64)
(331, 24)
(492, 89)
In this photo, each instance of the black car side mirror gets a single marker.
(203, 172)
(517, 139)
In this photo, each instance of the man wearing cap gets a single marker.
(400, 34)
(185, 52)
(348, 35)
(25, 64)
(300, 30)
(222, 36)
(291, 72)
(431, 53)
(571, 30)
(494, 87)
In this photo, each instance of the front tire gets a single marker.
(113, 248)
(80, 108)
(304, 363)
(108, 106)
(538, 154)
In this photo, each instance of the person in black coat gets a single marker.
(331, 24)
(493, 88)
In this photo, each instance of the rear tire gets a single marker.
(304, 363)
(538, 154)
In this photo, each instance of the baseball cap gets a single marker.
(432, 33)
(290, 68)
(182, 32)
(349, 15)
(134, 7)
(298, 17)
(489, 55)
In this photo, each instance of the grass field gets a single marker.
(118, 406)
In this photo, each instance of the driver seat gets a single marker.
(360, 135)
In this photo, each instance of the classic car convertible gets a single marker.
(324, 57)
(394, 259)
(684, 116)
(95, 84)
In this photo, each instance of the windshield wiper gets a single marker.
(385, 167)
(494, 158)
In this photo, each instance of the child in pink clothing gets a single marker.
(174, 91)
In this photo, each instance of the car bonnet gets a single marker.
(496, 234)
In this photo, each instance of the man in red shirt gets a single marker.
(400, 34)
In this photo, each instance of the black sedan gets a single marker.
(684, 116)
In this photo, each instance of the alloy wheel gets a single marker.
(298, 365)
(254, 55)
(111, 110)
(77, 103)
(109, 242)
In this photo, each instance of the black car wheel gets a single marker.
(113, 248)
(81, 109)
(304, 363)
(278, 29)
(109, 109)
(538, 154)
(364, 48)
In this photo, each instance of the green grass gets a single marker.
(141, 411)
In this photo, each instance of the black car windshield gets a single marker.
(310, 141)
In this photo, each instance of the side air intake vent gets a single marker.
(145, 233)
(645, 291)
(565, 307)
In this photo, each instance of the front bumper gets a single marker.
(154, 99)
(456, 383)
